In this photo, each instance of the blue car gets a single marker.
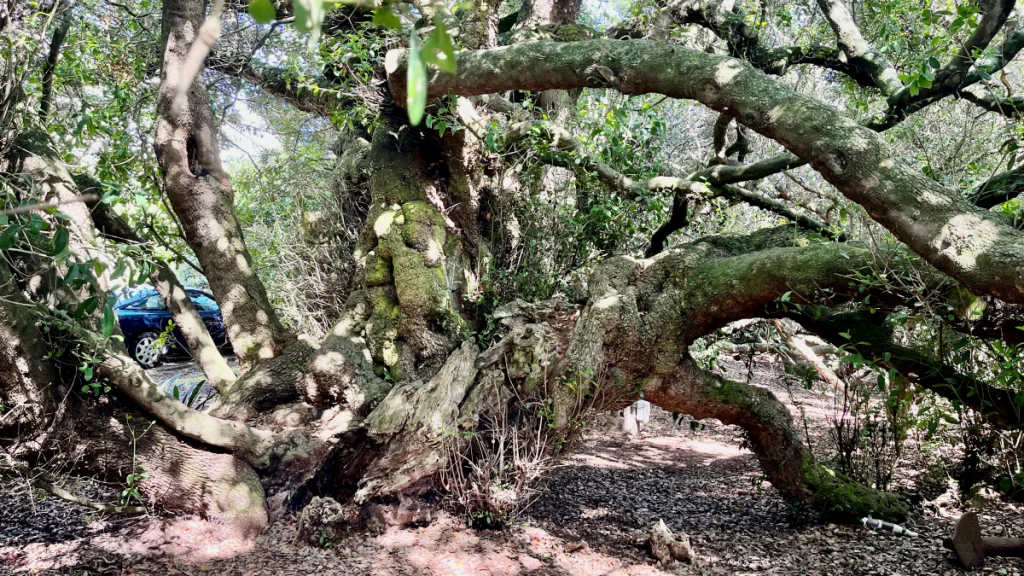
(144, 317)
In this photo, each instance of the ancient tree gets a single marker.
(371, 414)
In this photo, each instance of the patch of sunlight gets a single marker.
(727, 71)
(392, 59)
(602, 461)
(966, 236)
(935, 199)
(869, 183)
(433, 252)
(335, 420)
(715, 450)
(242, 265)
(606, 302)
(383, 223)
(389, 353)
(777, 112)
(859, 141)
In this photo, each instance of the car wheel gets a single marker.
(146, 351)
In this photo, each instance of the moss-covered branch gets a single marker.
(774, 440)
(980, 249)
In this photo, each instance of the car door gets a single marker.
(146, 315)
(210, 313)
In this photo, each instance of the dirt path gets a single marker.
(699, 481)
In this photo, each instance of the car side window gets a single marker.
(154, 302)
(203, 303)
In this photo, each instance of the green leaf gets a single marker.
(262, 11)
(86, 308)
(108, 320)
(309, 17)
(9, 236)
(439, 50)
(1005, 485)
(416, 99)
(934, 62)
(60, 242)
(386, 17)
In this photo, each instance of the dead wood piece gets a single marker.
(408, 511)
(665, 546)
(325, 520)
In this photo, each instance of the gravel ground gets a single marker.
(184, 374)
(699, 482)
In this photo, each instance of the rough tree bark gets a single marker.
(25, 383)
(201, 195)
(180, 474)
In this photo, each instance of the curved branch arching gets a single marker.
(980, 249)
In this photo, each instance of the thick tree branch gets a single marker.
(980, 249)
(735, 173)
(644, 314)
(954, 74)
(1000, 188)
(130, 379)
(51, 64)
(997, 405)
(200, 192)
(992, 21)
(319, 96)
(741, 37)
(1011, 106)
(677, 220)
(774, 441)
(857, 51)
